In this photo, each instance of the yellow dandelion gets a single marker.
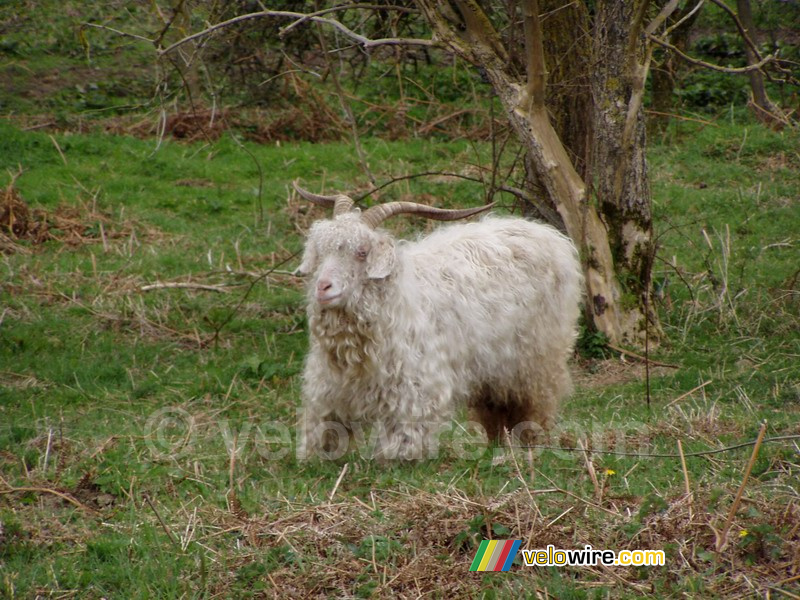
(610, 472)
(743, 533)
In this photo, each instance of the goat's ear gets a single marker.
(381, 259)
(309, 262)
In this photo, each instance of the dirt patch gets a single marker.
(18, 222)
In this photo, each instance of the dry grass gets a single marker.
(409, 542)
(23, 227)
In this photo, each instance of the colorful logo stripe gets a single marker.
(495, 555)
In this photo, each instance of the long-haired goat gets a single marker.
(482, 314)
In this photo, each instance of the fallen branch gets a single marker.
(44, 490)
(686, 486)
(641, 358)
(722, 535)
(338, 482)
(184, 286)
(577, 497)
(689, 393)
(160, 520)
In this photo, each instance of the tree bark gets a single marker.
(619, 178)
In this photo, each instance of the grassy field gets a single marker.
(147, 433)
(152, 337)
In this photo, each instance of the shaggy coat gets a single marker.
(481, 314)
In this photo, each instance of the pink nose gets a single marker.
(323, 285)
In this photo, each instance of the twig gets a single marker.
(742, 30)
(592, 474)
(780, 438)
(252, 156)
(60, 153)
(436, 122)
(183, 285)
(232, 466)
(578, 498)
(360, 39)
(784, 592)
(558, 518)
(689, 393)
(345, 106)
(39, 126)
(118, 32)
(642, 358)
(680, 117)
(253, 283)
(686, 480)
(683, 19)
(103, 238)
(338, 481)
(47, 450)
(326, 11)
(160, 520)
(701, 63)
(722, 536)
(788, 580)
(43, 490)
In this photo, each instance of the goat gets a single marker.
(482, 314)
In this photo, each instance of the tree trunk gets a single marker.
(619, 177)
(624, 230)
(763, 108)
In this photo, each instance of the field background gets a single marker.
(152, 336)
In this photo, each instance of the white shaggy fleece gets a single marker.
(482, 314)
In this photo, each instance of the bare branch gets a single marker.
(662, 16)
(45, 490)
(282, 14)
(326, 11)
(701, 63)
(346, 108)
(118, 32)
(742, 31)
(683, 19)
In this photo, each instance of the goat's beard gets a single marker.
(350, 333)
(346, 339)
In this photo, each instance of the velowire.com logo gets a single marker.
(495, 555)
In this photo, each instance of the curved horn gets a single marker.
(339, 202)
(374, 215)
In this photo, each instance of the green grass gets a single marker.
(113, 395)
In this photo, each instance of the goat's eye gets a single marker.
(361, 252)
